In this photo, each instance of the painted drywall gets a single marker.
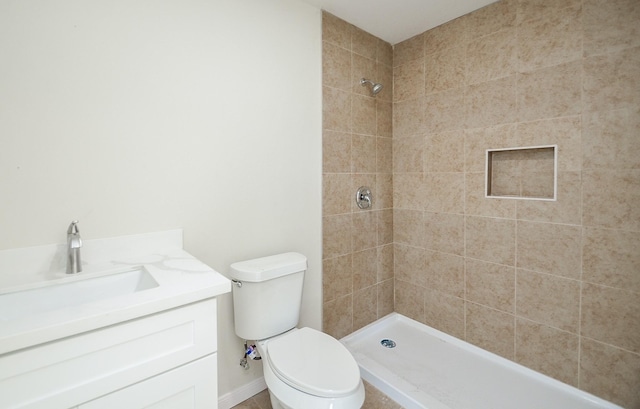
(140, 116)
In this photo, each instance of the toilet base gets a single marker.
(275, 403)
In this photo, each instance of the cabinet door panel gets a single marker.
(191, 386)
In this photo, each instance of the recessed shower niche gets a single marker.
(522, 173)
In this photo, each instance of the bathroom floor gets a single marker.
(374, 400)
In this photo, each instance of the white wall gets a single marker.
(136, 116)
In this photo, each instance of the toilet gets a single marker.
(303, 368)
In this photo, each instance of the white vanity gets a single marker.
(135, 329)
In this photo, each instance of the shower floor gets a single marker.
(428, 369)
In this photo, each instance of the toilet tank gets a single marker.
(267, 294)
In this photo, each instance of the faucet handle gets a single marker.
(73, 228)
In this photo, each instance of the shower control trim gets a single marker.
(364, 199)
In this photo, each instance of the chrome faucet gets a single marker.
(74, 242)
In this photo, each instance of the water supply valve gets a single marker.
(251, 352)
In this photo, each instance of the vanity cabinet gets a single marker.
(163, 360)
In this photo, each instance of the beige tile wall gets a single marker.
(357, 244)
(552, 285)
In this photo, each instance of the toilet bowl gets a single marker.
(303, 368)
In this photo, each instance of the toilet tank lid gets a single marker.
(267, 268)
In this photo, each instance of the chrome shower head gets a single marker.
(375, 87)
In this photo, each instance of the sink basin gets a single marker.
(74, 291)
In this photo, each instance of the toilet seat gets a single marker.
(314, 362)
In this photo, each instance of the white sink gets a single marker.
(74, 291)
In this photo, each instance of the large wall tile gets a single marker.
(445, 69)
(534, 9)
(490, 329)
(336, 66)
(408, 191)
(337, 277)
(384, 155)
(550, 92)
(408, 118)
(610, 25)
(444, 232)
(363, 154)
(444, 111)
(385, 53)
(494, 17)
(490, 239)
(492, 285)
(444, 192)
(610, 372)
(408, 227)
(444, 36)
(611, 315)
(365, 268)
(444, 272)
(365, 307)
(408, 154)
(409, 264)
(548, 299)
(336, 191)
(337, 316)
(550, 248)
(408, 81)
(491, 57)
(611, 258)
(336, 109)
(548, 350)
(444, 152)
(445, 312)
(364, 44)
(336, 31)
(610, 199)
(612, 81)
(491, 103)
(364, 230)
(409, 300)
(550, 39)
(336, 152)
(384, 118)
(385, 298)
(611, 139)
(385, 226)
(336, 235)
(363, 115)
(408, 50)
(383, 198)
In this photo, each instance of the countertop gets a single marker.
(182, 279)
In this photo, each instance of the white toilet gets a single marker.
(303, 368)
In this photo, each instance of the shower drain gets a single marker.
(388, 343)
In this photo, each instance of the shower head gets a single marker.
(375, 87)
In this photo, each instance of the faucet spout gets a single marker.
(74, 242)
